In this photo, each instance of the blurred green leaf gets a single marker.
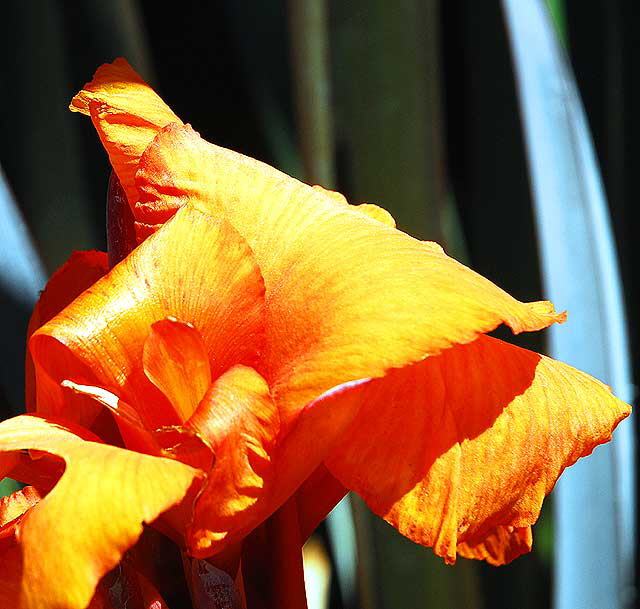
(559, 18)
(8, 486)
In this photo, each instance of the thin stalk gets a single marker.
(310, 64)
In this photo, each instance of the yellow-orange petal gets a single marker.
(450, 448)
(80, 530)
(347, 296)
(377, 213)
(80, 272)
(500, 546)
(240, 422)
(127, 114)
(175, 360)
(196, 269)
(368, 209)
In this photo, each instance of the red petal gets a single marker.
(80, 272)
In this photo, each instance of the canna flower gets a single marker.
(262, 347)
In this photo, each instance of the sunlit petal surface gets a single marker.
(115, 95)
(450, 448)
(79, 531)
(347, 296)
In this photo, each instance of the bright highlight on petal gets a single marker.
(94, 513)
(127, 114)
(454, 449)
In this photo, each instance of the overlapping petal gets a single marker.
(339, 280)
(259, 465)
(347, 296)
(80, 272)
(176, 361)
(80, 530)
(500, 546)
(239, 420)
(127, 113)
(213, 284)
(452, 448)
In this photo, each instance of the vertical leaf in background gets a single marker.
(559, 18)
(386, 66)
(107, 30)
(386, 69)
(312, 88)
(21, 279)
(259, 30)
(40, 148)
(594, 500)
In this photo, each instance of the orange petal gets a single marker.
(80, 272)
(451, 448)
(213, 284)
(176, 361)
(348, 296)
(240, 422)
(258, 466)
(500, 546)
(82, 527)
(126, 113)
